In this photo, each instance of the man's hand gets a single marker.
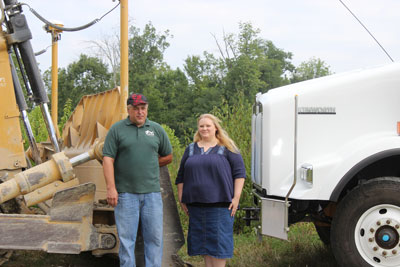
(108, 170)
(112, 197)
(162, 161)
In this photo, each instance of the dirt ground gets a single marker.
(43, 259)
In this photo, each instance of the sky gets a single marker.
(308, 28)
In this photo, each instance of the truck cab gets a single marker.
(328, 150)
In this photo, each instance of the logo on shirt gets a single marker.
(149, 133)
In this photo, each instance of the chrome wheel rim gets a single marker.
(377, 235)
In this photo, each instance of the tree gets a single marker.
(206, 83)
(146, 55)
(311, 69)
(108, 49)
(247, 64)
(88, 75)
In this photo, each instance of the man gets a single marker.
(133, 151)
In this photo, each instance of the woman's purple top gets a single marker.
(208, 177)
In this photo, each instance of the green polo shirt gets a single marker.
(135, 151)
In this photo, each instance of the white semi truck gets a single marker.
(328, 150)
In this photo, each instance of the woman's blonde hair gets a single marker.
(221, 135)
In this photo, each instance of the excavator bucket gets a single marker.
(90, 122)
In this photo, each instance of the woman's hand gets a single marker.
(180, 192)
(238, 186)
(234, 206)
(184, 208)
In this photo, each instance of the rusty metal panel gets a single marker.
(68, 228)
(74, 203)
(34, 232)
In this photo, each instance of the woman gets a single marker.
(210, 181)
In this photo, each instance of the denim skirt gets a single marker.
(210, 232)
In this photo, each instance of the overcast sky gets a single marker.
(307, 28)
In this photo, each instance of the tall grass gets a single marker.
(178, 150)
(304, 248)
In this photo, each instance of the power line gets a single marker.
(366, 30)
(68, 29)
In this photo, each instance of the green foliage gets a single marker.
(38, 125)
(303, 249)
(146, 50)
(67, 111)
(146, 54)
(311, 69)
(247, 63)
(177, 152)
(88, 75)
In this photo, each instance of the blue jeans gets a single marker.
(149, 209)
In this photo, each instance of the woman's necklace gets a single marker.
(206, 145)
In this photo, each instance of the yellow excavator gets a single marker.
(65, 181)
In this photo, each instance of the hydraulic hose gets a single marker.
(19, 95)
(65, 28)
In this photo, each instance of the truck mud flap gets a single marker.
(274, 217)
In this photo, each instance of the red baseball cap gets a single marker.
(136, 99)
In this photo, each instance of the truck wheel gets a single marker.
(366, 226)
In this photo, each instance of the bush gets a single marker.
(177, 151)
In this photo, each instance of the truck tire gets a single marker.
(366, 227)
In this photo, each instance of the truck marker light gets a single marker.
(398, 127)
